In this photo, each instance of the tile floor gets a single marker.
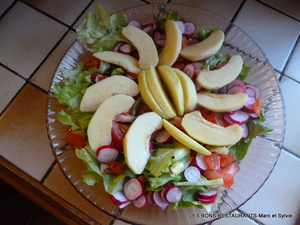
(36, 33)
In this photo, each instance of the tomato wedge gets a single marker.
(76, 139)
(226, 159)
(257, 106)
(212, 161)
(92, 62)
(118, 132)
(113, 167)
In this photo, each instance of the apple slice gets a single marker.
(144, 44)
(174, 87)
(98, 92)
(99, 128)
(184, 139)
(215, 79)
(157, 90)
(189, 90)
(147, 95)
(125, 61)
(222, 102)
(172, 47)
(205, 48)
(137, 138)
(209, 133)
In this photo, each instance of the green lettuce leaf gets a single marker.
(100, 31)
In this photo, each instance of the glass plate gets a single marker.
(255, 167)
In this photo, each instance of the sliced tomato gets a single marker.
(113, 167)
(76, 139)
(178, 65)
(212, 175)
(143, 109)
(185, 41)
(257, 106)
(118, 132)
(212, 161)
(232, 169)
(92, 62)
(226, 159)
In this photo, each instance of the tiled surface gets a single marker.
(35, 35)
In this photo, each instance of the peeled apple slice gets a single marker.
(172, 47)
(205, 48)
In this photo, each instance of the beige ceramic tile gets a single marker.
(279, 195)
(23, 134)
(274, 32)
(45, 73)
(111, 7)
(9, 86)
(291, 92)
(57, 182)
(28, 36)
(225, 9)
(4, 4)
(66, 11)
(290, 7)
(293, 67)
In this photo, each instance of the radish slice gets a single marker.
(190, 70)
(163, 136)
(227, 119)
(253, 115)
(249, 105)
(198, 87)
(147, 27)
(181, 26)
(133, 189)
(250, 92)
(124, 118)
(96, 77)
(171, 194)
(255, 88)
(118, 198)
(125, 48)
(245, 131)
(159, 201)
(117, 47)
(135, 23)
(157, 36)
(124, 205)
(237, 82)
(239, 117)
(189, 28)
(207, 197)
(198, 66)
(107, 153)
(160, 42)
(192, 173)
(140, 202)
(198, 162)
(149, 197)
(235, 89)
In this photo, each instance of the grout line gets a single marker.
(291, 153)
(81, 14)
(272, 7)
(8, 9)
(291, 53)
(238, 11)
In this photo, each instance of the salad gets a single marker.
(158, 115)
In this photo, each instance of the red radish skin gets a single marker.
(125, 48)
(135, 24)
(198, 66)
(255, 88)
(245, 133)
(141, 202)
(181, 26)
(235, 89)
(190, 70)
(159, 201)
(171, 194)
(96, 77)
(118, 198)
(237, 82)
(198, 162)
(207, 197)
(192, 173)
(124, 205)
(107, 153)
(253, 115)
(239, 117)
(227, 119)
(149, 197)
(117, 47)
(248, 107)
(133, 189)
(189, 28)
